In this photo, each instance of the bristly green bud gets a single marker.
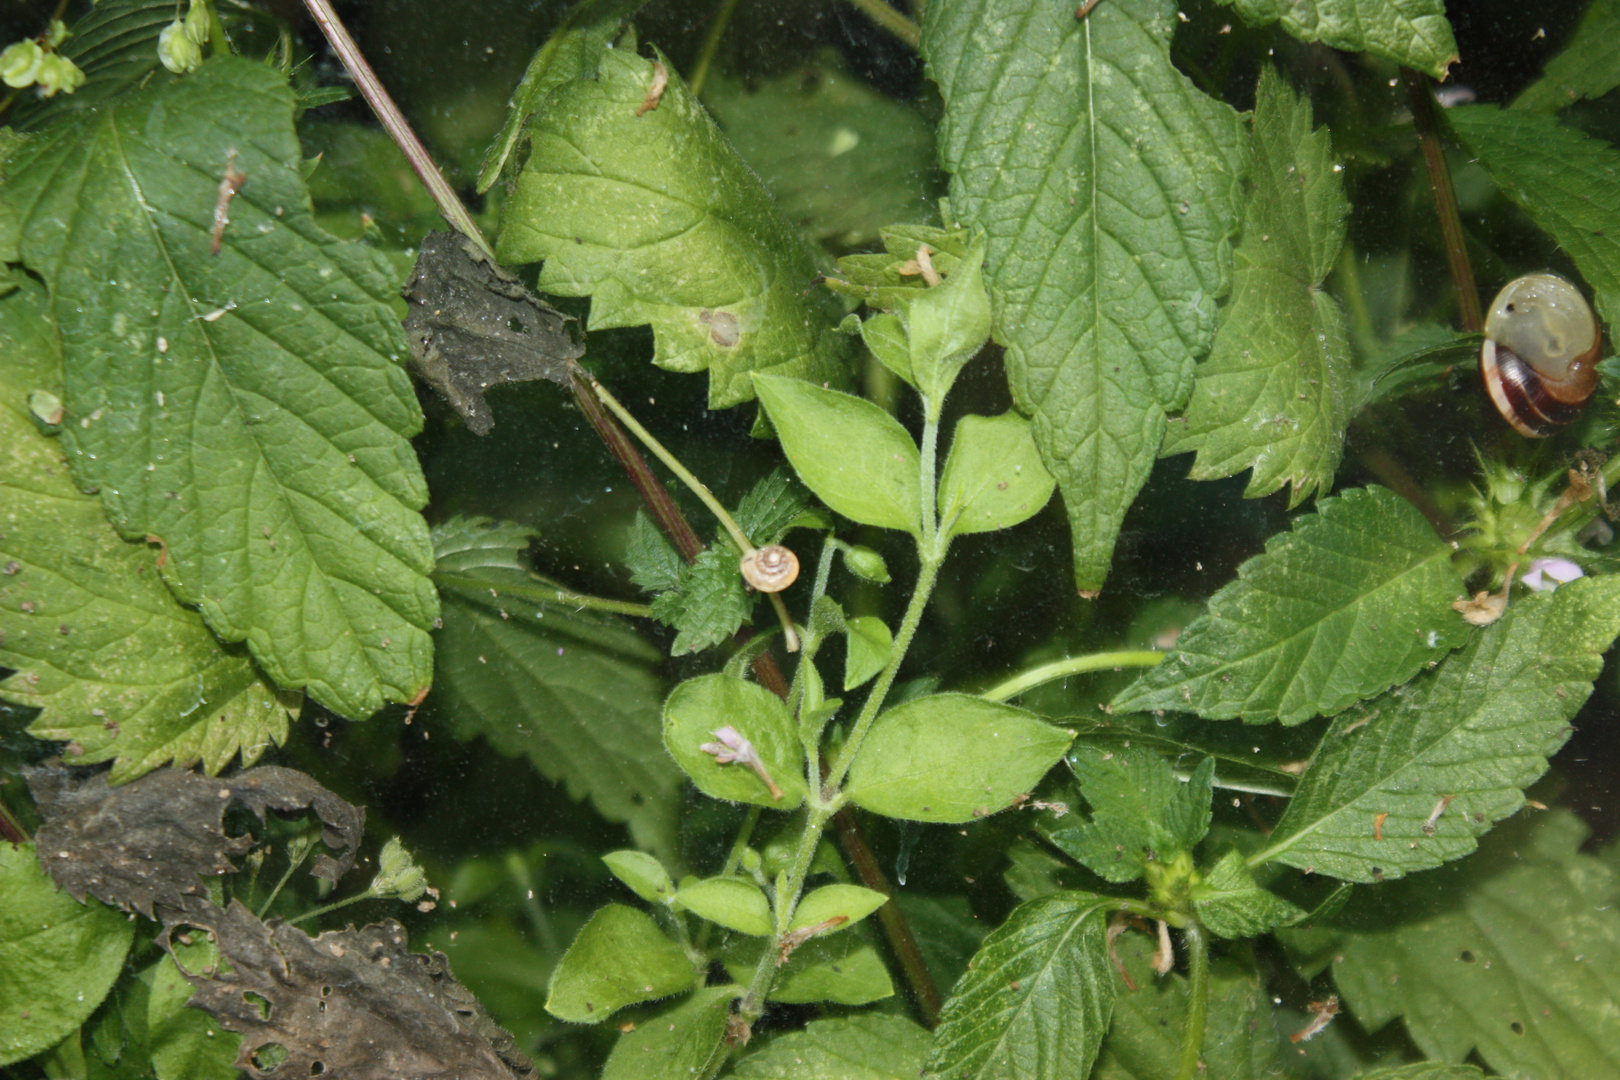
(197, 23)
(177, 51)
(57, 74)
(398, 876)
(866, 564)
(19, 64)
(56, 33)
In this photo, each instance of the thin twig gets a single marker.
(1445, 199)
(711, 45)
(891, 20)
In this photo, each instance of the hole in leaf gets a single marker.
(259, 1002)
(268, 1058)
(1518, 1028)
(516, 326)
(1466, 956)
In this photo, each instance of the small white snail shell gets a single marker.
(771, 568)
(1542, 345)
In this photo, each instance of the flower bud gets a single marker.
(19, 64)
(58, 74)
(177, 51)
(866, 564)
(56, 33)
(398, 876)
(197, 23)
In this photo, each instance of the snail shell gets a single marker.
(1542, 345)
(771, 568)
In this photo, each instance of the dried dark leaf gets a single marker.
(472, 325)
(144, 844)
(351, 1003)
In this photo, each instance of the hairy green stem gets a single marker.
(1072, 665)
(542, 594)
(891, 20)
(711, 45)
(1192, 1048)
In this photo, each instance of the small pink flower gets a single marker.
(1545, 574)
(732, 747)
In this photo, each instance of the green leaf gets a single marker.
(1140, 812)
(853, 455)
(1413, 33)
(248, 409)
(644, 874)
(575, 692)
(699, 707)
(653, 562)
(187, 1044)
(1355, 599)
(1104, 282)
(58, 958)
(1567, 182)
(993, 476)
(1231, 905)
(851, 902)
(619, 958)
(952, 758)
(1425, 1070)
(1145, 1039)
(771, 506)
(120, 668)
(1036, 1001)
(731, 902)
(946, 324)
(708, 603)
(573, 52)
(1513, 954)
(1277, 390)
(891, 279)
(865, 1046)
(842, 969)
(700, 252)
(1589, 66)
(870, 645)
(677, 1044)
(1463, 740)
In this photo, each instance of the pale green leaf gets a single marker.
(1277, 390)
(698, 708)
(1569, 184)
(993, 476)
(121, 669)
(577, 693)
(248, 409)
(885, 336)
(1589, 66)
(952, 758)
(853, 455)
(842, 968)
(698, 249)
(852, 903)
(1107, 185)
(677, 1044)
(731, 902)
(1513, 954)
(865, 1046)
(1232, 905)
(1413, 33)
(619, 957)
(1140, 811)
(947, 323)
(1036, 1001)
(644, 874)
(1355, 599)
(58, 957)
(1448, 755)
(187, 1044)
(869, 645)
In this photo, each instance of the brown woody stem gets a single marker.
(1445, 200)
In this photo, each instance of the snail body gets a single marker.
(771, 568)
(1539, 361)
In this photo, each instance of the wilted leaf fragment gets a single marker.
(658, 221)
(1449, 755)
(471, 326)
(700, 707)
(677, 1044)
(1036, 1001)
(1355, 599)
(58, 958)
(1085, 157)
(619, 958)
(248, 409)
(865, 1046)
(1277, 390)
(1413, 33)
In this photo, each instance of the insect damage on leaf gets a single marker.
(472, 326)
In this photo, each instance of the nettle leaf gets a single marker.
(1036, 1000)
(843, 969)
(993, 477)
(952, 758)
(676, 1044)
(1354, 599)
(1277, 390)
(865, 1046)
(121, 669)
(1231, 905)
(700, 707)
(1086, 157)
(58, 957)
(1140, 812)
(851, 453)
(247, 410)
(709, 601)
(1568, 182)
(619, 958)
(1432, 766)
(700, 251)
(1513, 954)
(1589, 66)
(771, 507)
(732, 902)
(1413, 33)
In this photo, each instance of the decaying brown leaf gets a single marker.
(472, 325)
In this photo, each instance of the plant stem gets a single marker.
(1192, 1047)
(711, 45)
(753, 1003)
(541, 594)
(1445, 199)
(891, 20)
(1073, 665)
(394, 122)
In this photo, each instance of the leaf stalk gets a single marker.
(1192, 1047)
(1071, 665)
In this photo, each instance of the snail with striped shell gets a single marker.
(1542, 345)
(771, 568)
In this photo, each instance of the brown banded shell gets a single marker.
(1539, 361)
(771, 568)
